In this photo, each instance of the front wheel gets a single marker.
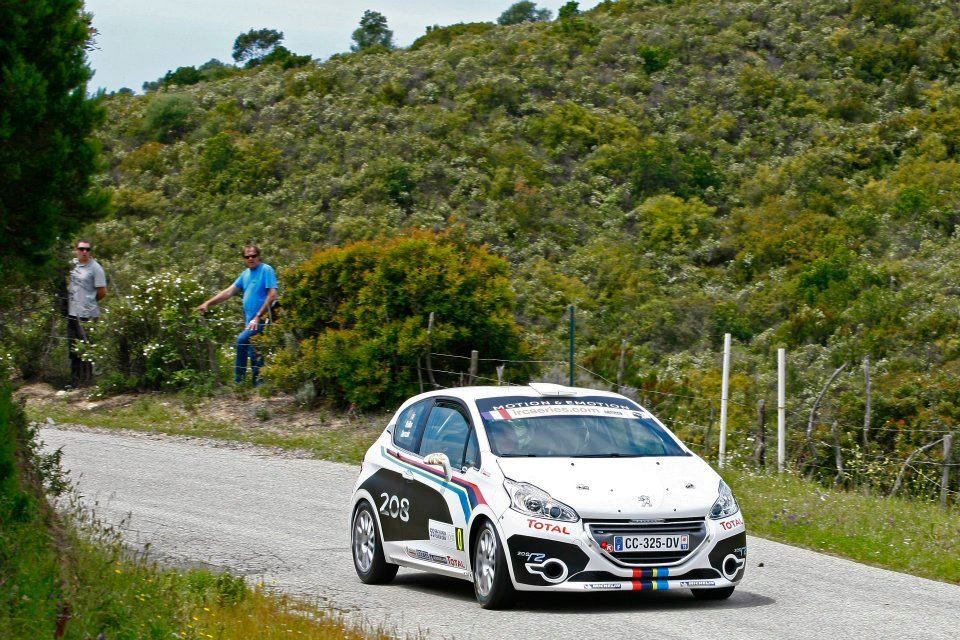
(491, 577)
(367, 547)
(713, 594)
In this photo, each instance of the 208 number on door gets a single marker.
(395, 507)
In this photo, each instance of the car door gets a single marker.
(440, 522)
(391, 485)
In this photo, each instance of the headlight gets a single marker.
(726, 504)
(533, 501)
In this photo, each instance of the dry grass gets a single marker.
(268, 617)
(272, 422)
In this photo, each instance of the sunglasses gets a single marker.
(252, 255)
(84, 248)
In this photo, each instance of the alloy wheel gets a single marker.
(364, 540)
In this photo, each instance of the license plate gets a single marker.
(639, 544)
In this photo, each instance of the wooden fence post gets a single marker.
(813, 415)
(760, 452)
(623, 351)
(474, 366)
(945, 478)
(433, 382)
(837, 453)
(706, 437)
(866, 411)
(212, 355)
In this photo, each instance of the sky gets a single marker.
(140, 40)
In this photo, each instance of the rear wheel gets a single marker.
(367, 547)
(491, 577)
(713, 594)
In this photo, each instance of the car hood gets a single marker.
(636, 488)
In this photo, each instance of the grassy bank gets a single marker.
(912, 537)
(129, 597)
(65, 575)
(29, 571)
(122, 596)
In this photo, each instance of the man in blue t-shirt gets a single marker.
(258, 283)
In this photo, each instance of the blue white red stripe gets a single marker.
(468, 493)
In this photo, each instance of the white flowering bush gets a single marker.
(154, 339)
(6, 365)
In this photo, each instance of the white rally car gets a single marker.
(543, 488)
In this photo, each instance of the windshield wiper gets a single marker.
(604, 455)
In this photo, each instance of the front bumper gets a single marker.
(547, 555)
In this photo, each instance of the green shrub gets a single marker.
(169, 116)
(672, 225)
(361, 313)
(501, 91)
(899, 13)
(231, 164)
(654, 58)
(568, 128)
(654, 164)
(578, 31)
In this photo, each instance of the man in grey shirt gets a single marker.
(86, 287)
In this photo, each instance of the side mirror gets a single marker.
(440, 459)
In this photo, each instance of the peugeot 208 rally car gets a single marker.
(543, 488)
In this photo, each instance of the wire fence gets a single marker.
(855, 460)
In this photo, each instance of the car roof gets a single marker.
(532, 390)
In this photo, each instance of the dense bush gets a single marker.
(360, 315)
(153, 338)
(169, 116)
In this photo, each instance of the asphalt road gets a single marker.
(284, 520)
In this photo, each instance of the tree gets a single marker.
(569, 10)
(47, 153)
(252, 46)
(47, 157)
(523, 11)
(372, 32)
(182, 76)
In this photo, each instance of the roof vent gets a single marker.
(549, 389)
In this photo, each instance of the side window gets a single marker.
(472, 457)
(406, 432)
(446, 432)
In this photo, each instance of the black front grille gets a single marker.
(605, 531)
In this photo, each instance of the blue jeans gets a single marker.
(246, 351)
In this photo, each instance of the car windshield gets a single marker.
(590, 427)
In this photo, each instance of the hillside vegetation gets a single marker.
(783, 171)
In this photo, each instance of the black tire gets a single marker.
(491, 577)
(713, 594)
(367, 548)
